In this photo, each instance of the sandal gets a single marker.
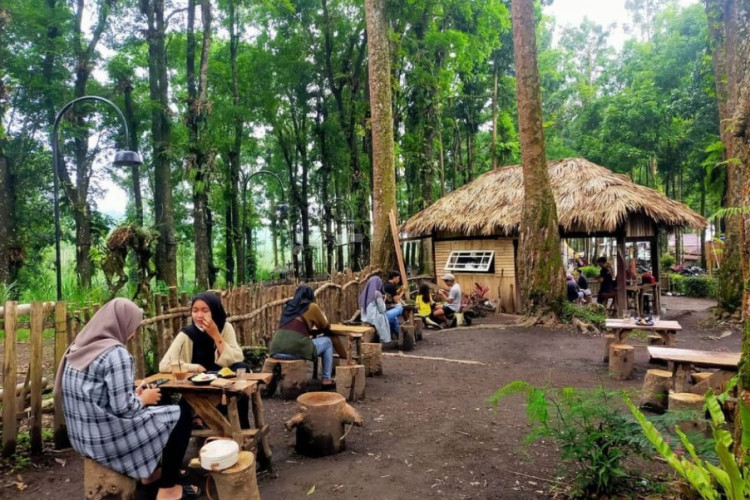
(190, 491)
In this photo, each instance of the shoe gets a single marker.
(429, 322)
(190, 492)
(328, 387)
(649, 321)
(393, 344)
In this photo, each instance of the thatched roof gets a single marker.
(589, 199)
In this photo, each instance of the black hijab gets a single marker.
(203, 345)
(303, 297)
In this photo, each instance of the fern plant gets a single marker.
(591, 431)
(730, 478)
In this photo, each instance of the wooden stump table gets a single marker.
(238, 481)
(102, 483)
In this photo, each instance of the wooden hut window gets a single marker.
(468, 261)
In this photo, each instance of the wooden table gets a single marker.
(353, 334)
(204, 400)
(666, 329)
(638, 291)
(681, 360)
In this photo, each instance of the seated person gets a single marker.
(109, 419)
(583, 285)
(574, 293)
(452, 297)
(208, 344)
(433, 314)
(301, 320)
(392, 297)
(373, 311)
(648, 279)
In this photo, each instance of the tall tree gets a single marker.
(161, 140)
(542, 278)
(384, 178)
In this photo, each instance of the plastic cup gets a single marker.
(241, 372)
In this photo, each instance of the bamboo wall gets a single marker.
(254, 312)
(502, 282)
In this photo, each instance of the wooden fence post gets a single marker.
(37, 318)
(61, 345)
(10, 380)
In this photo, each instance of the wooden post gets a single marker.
(35, 372)
(681, 378)
(609, 339)
(61, 345)
(399, 254)
(101, 483)
(350, 381)
(10, 379)
(622, 301)
(655, 390)
(238, 481)
(621, 361)
(372, 358)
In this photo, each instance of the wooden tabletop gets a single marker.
(715, 359)
(247, 384)
(353, 330)
(627, 324)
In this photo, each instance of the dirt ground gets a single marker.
(429, 430)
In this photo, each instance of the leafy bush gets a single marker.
(594, 314)
(667, 261)
(729, 478)
(693, 286)
(592, 432)
(590, 271)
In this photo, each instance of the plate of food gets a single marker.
(203, 378)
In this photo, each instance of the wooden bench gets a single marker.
(622, 327)
(681, 362)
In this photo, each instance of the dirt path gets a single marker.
(429, 429)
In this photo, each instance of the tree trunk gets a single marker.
(10, 253)
(161, 137)
(233, 229)
(542, 279)
(383, 253)
(135, 170)
(493, 148)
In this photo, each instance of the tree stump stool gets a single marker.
(693, 403)
(238, 481)
(609, 339)
(350, 381)
(102, 483)
(655, 340)
(319, 423)
(701, 376)
(294, 376)
(621, 361)
(372, 358)
(418, 326)
(655, 390)
(407, 339)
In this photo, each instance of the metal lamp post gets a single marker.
(122, 159)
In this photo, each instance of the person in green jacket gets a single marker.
(301, 320)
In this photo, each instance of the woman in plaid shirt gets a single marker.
(111, 421)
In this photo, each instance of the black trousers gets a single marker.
(175, 449)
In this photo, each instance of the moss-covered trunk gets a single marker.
(542, 278)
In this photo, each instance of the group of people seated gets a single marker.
(126, 429)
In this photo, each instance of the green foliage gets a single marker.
(730, 477)
(595, 315)
(592, 432)
(590, 271)
(694, 286)
(667, 261)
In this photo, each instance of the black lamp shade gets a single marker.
(127, 159)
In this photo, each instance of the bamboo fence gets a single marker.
(253, 310)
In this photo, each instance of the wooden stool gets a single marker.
(418, 326)
(294, 376)
(609, 339)
(238, 481)
(350, 381)
(407, 339)
(621, 361)
(102, 483)
(655, 390)
(655, 340)
(319, 422)
(682, 401)
(372, 358)
(701, 376)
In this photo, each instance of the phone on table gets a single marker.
(155, 383)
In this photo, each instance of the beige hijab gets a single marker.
(112, 325)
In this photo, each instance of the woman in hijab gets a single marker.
(372, 309)
(209, 343)
(111, 421)
(295, 338)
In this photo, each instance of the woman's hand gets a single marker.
(200, 368)
(150, 396)
(213, 331)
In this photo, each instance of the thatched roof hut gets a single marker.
(590, 199)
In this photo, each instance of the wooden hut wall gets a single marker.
(640, 226)
(502, 282)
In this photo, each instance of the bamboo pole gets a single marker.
(35, 369)
(10, 379)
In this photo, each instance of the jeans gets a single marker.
(324, 347)
(392, 315)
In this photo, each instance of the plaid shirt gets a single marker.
(106, 421)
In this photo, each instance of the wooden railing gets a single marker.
(253, 310)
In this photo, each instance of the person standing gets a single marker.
(607, 280)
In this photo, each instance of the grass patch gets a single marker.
(594, 314)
